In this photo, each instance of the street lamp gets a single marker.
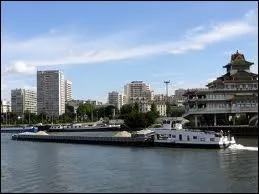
(19, 118)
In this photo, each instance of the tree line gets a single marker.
(130, 113)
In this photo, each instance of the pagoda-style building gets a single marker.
(226, 99)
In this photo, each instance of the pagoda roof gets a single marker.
(238, 59)
(243, 73)
(228, 76)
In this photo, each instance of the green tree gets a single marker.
(126, 109)
(85, 109)
(136, 107)
(154, 110)
(109, 111)
(177, 111)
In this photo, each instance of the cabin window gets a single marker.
(212, 139)
(169, 135)
(173, 136)
(180, 137)
(194, 137)
(202, 139)
(188, 138)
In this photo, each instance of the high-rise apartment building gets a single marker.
(5, 106)
(116, 99)
(137, 91)
(51, 92)
(23, 100)
(68, 90)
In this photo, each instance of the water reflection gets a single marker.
(53, 167)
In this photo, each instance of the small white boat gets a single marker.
(176, 136)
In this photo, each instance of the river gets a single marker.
(58, 167)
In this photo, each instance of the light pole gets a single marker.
(6, 117)
(29, 117)
(166, 83)
(92, 113)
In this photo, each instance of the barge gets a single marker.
(163, 136)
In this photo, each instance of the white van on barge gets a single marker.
(176, 136)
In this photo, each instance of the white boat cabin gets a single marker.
(174, 133)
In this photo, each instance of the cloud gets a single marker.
(21, 68)
(70, 49)
(58, 47)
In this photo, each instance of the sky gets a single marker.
(101, 46)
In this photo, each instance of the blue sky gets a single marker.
(101, 46)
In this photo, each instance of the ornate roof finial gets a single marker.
(237, 52)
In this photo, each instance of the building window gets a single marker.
(194, 137)
(202, 139)
(212, 139)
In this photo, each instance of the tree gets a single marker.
(154, 110)
(177, 111)
(109, 110)
(85, 109)
(136, 119)
(126, 109)
(168, 109)
(136, 107)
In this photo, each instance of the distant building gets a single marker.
(116, 99)
(160, 107)
(233, 94)
(179, 97)
(5, 106)
(93, 102)
(161, 98)
(51, 92)
(23, 100)
(68, 90)
(138, 91)
(75, 103)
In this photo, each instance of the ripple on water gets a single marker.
(50, 167)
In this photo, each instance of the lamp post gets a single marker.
(18, 118)
(29, 117)
(75, 111)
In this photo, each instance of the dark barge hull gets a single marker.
(85, 140)
(125, 141)
(182, 145)
(15, 130)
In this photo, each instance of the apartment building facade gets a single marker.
(160, 107)
(116, 99)
(51, 92)
(23, 100)
(5, 106)
(138, 91)
(68, 90)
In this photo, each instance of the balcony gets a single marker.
(221, 110)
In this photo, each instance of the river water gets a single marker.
(58, 167)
